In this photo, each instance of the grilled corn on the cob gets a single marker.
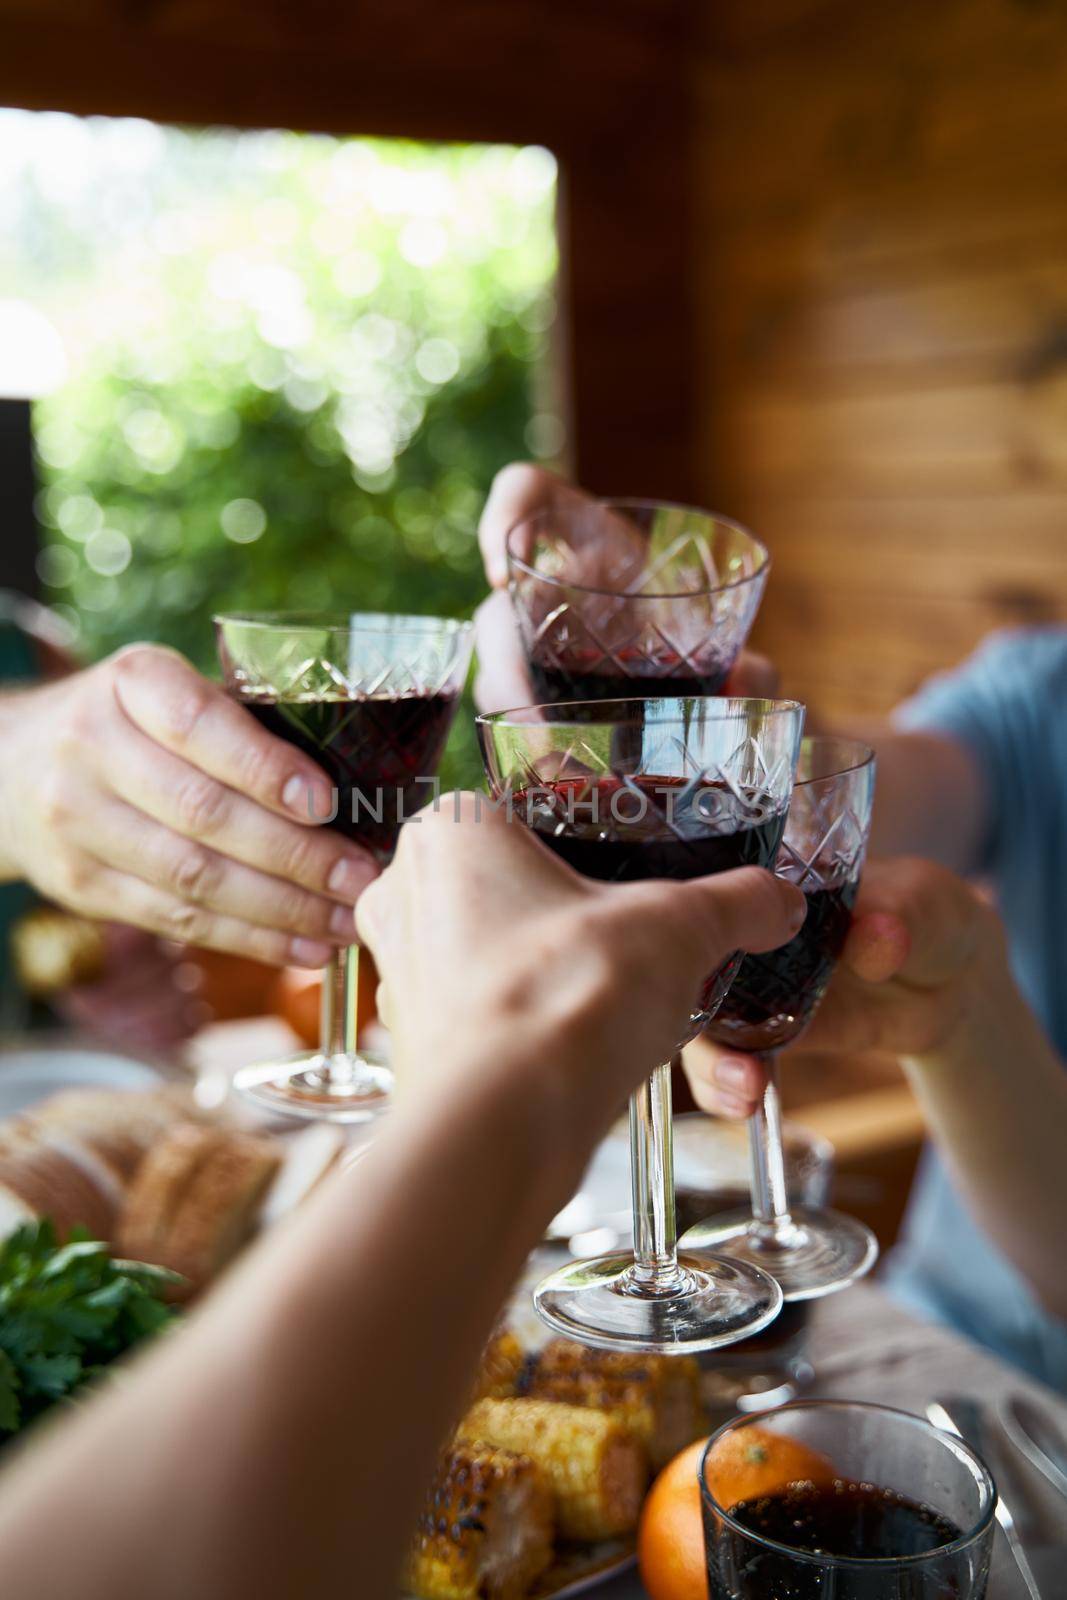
(501, 1364)
(596, 1469)
(655, 1397)
(485, 1532)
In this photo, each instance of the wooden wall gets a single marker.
(882, 266)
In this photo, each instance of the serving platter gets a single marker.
(585, 1568)
(580, 1569)
(29, 1074)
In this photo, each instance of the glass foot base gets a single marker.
(816, 1253)
(716, 1302)
(349, 1088)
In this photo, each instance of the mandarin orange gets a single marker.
(670, 1536)
(745, 1463)
(297, 997)
(753, 1461)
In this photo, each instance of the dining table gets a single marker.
(862, 1345)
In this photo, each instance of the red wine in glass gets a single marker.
(369, 697)
(810, 1250)
(587, 676)
(624, 791)
(631, 597)
(774, 996)
(655, 827)
(379, 751)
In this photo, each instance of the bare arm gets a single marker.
(930, 978)
(279, 1444)
(930, 798)
(994, 1094)
(925, 976)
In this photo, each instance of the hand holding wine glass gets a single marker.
(913, 954)
(811, 1251)
(137, 791)
(484, 938)
(371, 697)
(627, 791)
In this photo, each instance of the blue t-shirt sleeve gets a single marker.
(1003, 705)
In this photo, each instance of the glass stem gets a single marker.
(339, 1015)
(770, 1204)
(655, 1270)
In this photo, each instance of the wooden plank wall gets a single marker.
(882, 269)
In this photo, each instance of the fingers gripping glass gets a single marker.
(370, 698)
(663, 788)
(810, 1250)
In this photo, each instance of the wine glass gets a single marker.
(660, 788)
(810, 1250)
(877, 1505)
(371, 698)
(632, 597)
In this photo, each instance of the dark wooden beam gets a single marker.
(626, 215)
(18, 529)
(509, 70)
(602, 83)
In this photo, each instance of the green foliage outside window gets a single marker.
(295, 363)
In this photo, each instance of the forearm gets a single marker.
(929, 799)
(995, 1097)
(290, 1429)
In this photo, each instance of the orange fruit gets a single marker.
(753, 1461)
(670, 1535)
(746, 1463)
(232, 986)
(298, 993)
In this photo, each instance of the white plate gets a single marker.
(707, 1153)
(27, 1076)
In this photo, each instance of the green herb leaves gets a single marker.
(65, 1312)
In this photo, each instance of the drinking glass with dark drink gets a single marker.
(652, 788)
(370, 697)
(856, 1501)
(811, 1251)
(632, 597)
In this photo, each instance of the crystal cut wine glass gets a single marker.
(371, 698)
(812, 1251)
(652, 788)
(632, 596)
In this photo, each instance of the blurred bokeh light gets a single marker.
(283, 367)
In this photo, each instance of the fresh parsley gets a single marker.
(66, 1311)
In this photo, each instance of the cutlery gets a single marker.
(1037, 1438)
(963, 1417)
